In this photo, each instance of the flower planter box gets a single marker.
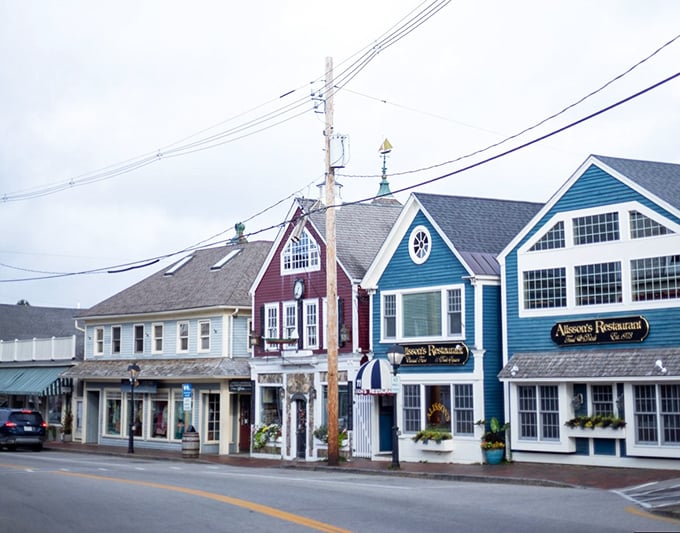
(595, 432)
(434, 446)
(494, 456)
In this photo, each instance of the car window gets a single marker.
(27, 419)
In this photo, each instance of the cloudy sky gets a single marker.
(135, 129)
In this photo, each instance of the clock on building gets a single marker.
(299, 289)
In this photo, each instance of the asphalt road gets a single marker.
(67, 492)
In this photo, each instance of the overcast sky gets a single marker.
(87, 86)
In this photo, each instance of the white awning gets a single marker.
(375, 378)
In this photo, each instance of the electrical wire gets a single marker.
(146, 262)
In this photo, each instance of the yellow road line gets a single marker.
(645, 514)
(258, 508)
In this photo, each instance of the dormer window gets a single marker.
(300, 255)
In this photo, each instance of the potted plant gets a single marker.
(493, 441)
(67, 426)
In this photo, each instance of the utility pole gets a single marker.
(331, 278)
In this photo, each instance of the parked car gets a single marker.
(22, 427)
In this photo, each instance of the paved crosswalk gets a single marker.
(657, 496)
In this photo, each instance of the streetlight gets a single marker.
(134, 370)
(395, 355)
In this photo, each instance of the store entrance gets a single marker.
(244, 423)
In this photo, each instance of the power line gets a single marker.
(146, 262)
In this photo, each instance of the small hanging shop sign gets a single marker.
(456, 353)
(600, 331)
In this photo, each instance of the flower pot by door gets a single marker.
(495, 456)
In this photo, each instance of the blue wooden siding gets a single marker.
(240, 336)
(594, 188)
(493, 360)
(441, 268)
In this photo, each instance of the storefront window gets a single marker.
(433, 408)
(79, 416)
(179, 416)
(344, 419)
(139, 416)
(538, 412)
(271, 405)
(657, 414)
(438, 407)
(213, 414)
(113, 412)
(159, 416)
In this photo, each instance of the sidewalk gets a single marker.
(518, 473)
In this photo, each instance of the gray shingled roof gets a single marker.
(661, 179)
(215, 367)
(27, 322)
(479, 228)
(360, 230)
(568, 365)
(192, 286)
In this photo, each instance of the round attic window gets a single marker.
(420, 244)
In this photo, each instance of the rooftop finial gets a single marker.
(384, 193)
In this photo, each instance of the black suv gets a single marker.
(22, 427)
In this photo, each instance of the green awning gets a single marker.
(35, 381)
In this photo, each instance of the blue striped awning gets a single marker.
(375, 378)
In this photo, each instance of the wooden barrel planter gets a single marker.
(191, 444)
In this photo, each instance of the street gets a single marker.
(65, 492)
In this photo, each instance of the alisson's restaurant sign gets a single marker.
(436, 354)
(600, 331)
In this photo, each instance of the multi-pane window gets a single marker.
(389, 316)
(98, 341)
(204, 335)
(420, 245)
(553, 239)
(271, 405)
(157, 330)
(213, 416)
(546, 288)
(431, 314)
(344, 406)
(655, 278)
(657, 414)
(139, 338)
(538, 411)
(183, 336)
(591, 229)
(290, 313)
(463, 409)
(598, 284)
(271, 327)
(642, 226)
(454, 312)
(301, 255)
(435, 410)
(115, 339)
(603, 400)
(311, 321)
(411, 401)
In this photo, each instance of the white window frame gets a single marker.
(98, 341)
(119, 329)
(181, 337)
(271, 325)
(290, 330)
(444, 336)
(157, 338)
(203, 337)
(419, 244)
(310, 325)
(622, 250)
(135, 339)
(312, 259)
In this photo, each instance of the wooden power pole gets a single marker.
(331, 278)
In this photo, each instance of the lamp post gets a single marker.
(133, 369)
(395, 355)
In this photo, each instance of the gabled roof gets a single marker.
(659, 180)
(194, 285)
(476, 229)
(24, 322)
(360, 230)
